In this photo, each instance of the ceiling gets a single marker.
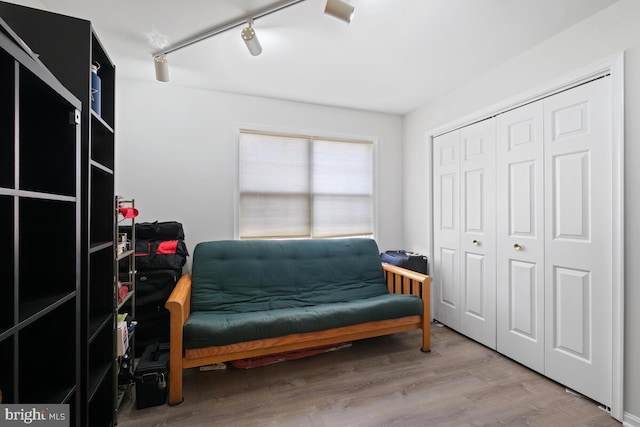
(395, 56)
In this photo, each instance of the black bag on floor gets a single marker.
(152, 376)
(408, 260)
(152, 291)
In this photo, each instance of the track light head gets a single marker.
(162, 68)
(340, 10)
(251, 40)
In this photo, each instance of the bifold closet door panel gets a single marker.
(520, 235)
(478, 232)
(464, 231)
(446, 263)
(578, 238)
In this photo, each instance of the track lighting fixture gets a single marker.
(339, 9)
(251, 40)
(162, 68)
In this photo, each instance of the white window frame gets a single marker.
(321, 135)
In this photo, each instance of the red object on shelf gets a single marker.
(128, 212)
(124, 290)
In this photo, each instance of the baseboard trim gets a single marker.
(630, 420)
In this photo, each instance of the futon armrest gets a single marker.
(179, 306)
(179, 302)
(403, 281)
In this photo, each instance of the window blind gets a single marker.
(298, 186)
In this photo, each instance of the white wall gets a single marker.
(37, 4)
(613, 30)
(176, 153)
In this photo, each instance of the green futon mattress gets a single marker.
(215, 328)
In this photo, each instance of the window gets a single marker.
(298, 186)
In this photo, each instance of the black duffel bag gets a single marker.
(158, 255)
(405, 259)
(165, 230)
(161, 255)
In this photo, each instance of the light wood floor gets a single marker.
(382, 381)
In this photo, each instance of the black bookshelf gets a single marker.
(40, 199)
(68, 46)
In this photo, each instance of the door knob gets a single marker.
(475, 243)
(517, 247)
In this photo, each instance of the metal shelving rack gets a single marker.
(124, 301)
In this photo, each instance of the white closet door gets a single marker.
(520, 235)
(578, 243)
(478, 234)
(446, 189)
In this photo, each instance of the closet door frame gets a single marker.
(613, 66)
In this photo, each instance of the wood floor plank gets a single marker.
(383, 381)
